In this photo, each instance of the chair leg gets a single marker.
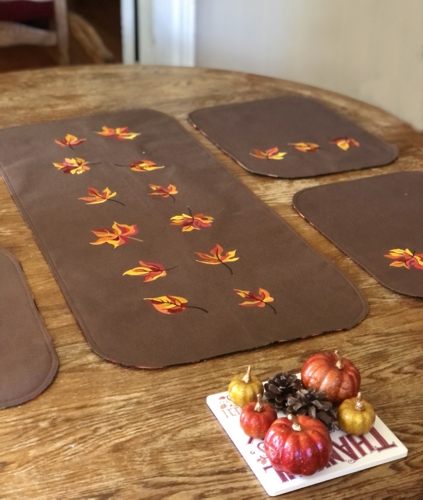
(62, 28)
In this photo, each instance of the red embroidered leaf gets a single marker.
(345, 142)
(150, 270)
(171, 304)
(69, 141)
(218, 256)
(117, 236)
(122, 133)
(73, 166)
(163, 192)
(269, 154)
(95, 197)
(191, 222)
(305, 147)
(261, 299)
(405, 258)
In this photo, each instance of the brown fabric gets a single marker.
(310, 295)
(374, 221)
(28, 361)
(284, 123)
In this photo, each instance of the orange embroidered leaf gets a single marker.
(73, 166)
(269, 154)
(171, 304)
(95, 197)
(218, 256)
(117, 236)
(150, 270)
(261, 299)
(405, 258)
(69, 141)
(305, 147)
(162, 191)
(345, 142)
(122, 133)
(144, 166)
(191, 222)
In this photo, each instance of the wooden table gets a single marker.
(101, 431)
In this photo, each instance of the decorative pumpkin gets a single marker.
(356, 416)
(256, 418)
(244, 388)
(298, 445)
(337, 377)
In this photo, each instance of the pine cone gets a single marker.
(312, 403)
(279, 387)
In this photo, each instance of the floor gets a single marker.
(103, 15)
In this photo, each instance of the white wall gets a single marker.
(371, 50)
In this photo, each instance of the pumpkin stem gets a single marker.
(339, 364)
(295, 422)
(359, 405)
(259, 405)
(247, 377)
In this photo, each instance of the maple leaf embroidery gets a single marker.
(149, 270)
(305, 147)
(218, 256)
(253, 300)
(269, 154)
(163, 192)
(405, 258)
(69, 141)
(94, 196)
(73, 166)
(171, 304)
(144, 166)
(122, 133)
(117, 236)
(345, 142)
(190, 222)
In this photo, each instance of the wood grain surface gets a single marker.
(101, 431)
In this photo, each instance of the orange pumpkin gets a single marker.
(337, 377)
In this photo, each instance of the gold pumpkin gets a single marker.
(356, 416)
(244, 388)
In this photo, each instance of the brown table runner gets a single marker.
(28, 361)
(376, 221)
(163, 256)
(291, 137)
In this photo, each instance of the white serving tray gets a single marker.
(350, 453)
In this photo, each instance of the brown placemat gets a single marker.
(28, 361)
(208, 244)
(291, 137)
(377, 222)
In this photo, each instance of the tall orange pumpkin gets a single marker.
(337, 377)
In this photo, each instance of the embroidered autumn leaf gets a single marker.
(163, 192)
(405, 258)
(253, 300)
(144, 166)
(305, 147)
(149, 270)
(94, 196)
(218, 256)
(73, 166)
(190, 222)
(171, 304)
(269, 154)
(69, 141)
(345, 142)
(117, 236)
(122, 133)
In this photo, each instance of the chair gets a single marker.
(15, 16)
